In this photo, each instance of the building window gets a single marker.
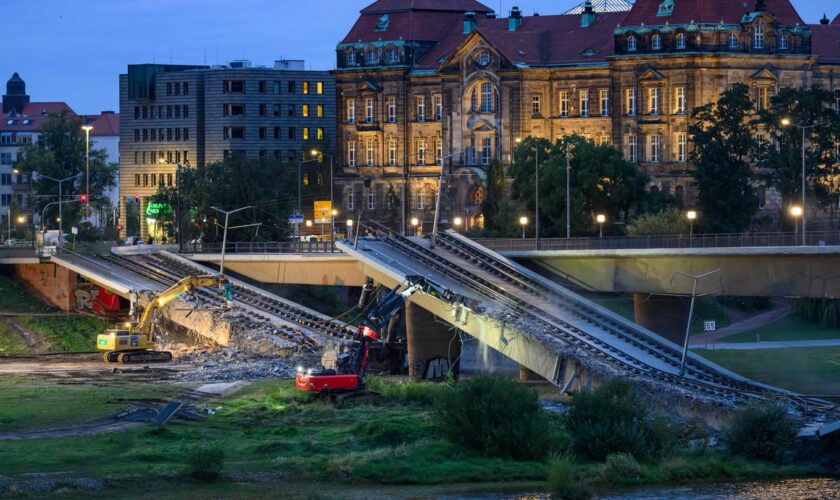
(277, 133)
(733, 41)
(837, 100)
(351, 110)
(319, 88)
(261, 86)
(392, 109)
(584, 103)
(483, 58)
(762, 98)
(486, 97)
(682, 148)
(680, 40)
(234, 132)
(351, 153)
(369, 110)
(263, 109)
(631, 43)
(304, 110)
(305, 133)
(603, 140)
(421, 108)
(653, 100)
(234, 110)
(371, 200)
(291, 110)
(351, 199)
(486, 151)
(679, 100)
(370, 152)
(536, 108)
(633, 148)
(291, 134)
(653, 153)
(306, 88)
(291, 87)
(275, 109)
(758, 36)
(392, 56)
(319, 110)
(437, 104)
(136, 180)
(351, 58)
(630, 102)
(233, 86)
(371, 57)
(439, 151)
(186, 111)
(605, 102)
(319, 133)
(168, 88)
(421, 151)
(656, 42)
(263, 133)
(783, 42)
(276, 88)
(392, 151)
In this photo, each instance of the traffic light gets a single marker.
(83, 198)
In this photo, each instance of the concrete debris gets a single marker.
(228, 364)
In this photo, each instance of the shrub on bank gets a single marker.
(206, 461)
(498, 417)
(562, 482)
(613, 419)
(621, 468)
(763, 430)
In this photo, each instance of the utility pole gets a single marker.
(60, 213)
(228, 213)
(690, 311)
(568, 195)
(537, 195)
(87, 129)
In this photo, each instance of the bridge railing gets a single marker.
(262, 247)
(725, 240)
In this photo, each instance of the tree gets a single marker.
(782, 162)
(723, 140)
(601, 182)
(670, 221)
(499, 213)
(60, 154)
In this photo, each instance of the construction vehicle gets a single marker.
(135, 342)
(349, 374)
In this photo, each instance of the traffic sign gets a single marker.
(709, 325)
(296, 219)
(323, 212)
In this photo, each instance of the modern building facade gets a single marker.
(198, 115)
(424, 79)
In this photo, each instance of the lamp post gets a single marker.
(691, 215)
(60, 214)
(439, 195)
(787, 122)
(690, 311)
(228, 213)
(299, 210)
(415, 223)
(457, 221)
(523, 221)
(349, 228)
(87, 129)
(601, 218)
(536, 191)
(796, 212)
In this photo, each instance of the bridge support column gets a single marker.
(662, 314)
(434, 349)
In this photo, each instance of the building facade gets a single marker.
(195, 115)
(422, 80)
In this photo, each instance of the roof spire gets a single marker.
(824, 19)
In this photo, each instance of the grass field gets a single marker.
(790, 328)
(15, 298)
(806, 370)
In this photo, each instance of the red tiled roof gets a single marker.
(383, 6)
(825, 42)
(32, 118)
(836, 20)
(106, 124)
(420, 26)
(42, 108)
(708, 11)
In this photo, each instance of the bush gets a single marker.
(613, 419)
(763, 430)
(620, 468)
(670, 221)
(206, 461)
(496, 416)
(562, 483)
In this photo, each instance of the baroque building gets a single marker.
(421, 80)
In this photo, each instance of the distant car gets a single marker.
(133, 240)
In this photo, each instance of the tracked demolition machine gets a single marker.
(378, 323)
(135, 343)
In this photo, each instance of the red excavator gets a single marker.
(348, 376)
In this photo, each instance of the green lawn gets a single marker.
(807, 370)
(10, 340)
(67, 333)
(790, 328)
(705, 308)
(29, 403)
(15, 298)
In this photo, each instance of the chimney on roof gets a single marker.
(824, 20)
(515, 19)
(760, 6)
(588, 16)
(469, 22)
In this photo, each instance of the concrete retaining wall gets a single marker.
(53, 283)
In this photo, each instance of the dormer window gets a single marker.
(666, 8)
(382, 23)
(680, 40)
(371, 57)
(392, 56)
(351, 58)
(733, 41)
(631, 43)
(656, 42)
(783, 42)
(758, 36)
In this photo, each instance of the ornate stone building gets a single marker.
(427, 79)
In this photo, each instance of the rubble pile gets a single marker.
(213, 363)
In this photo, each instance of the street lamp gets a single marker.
(536, 190)
(691, 215)
(439, 195)
(523, 221)
(601, 218)
(415, 223)
(796, 212)
(349, 228)
(457, 221)
(787, 122)
(87, 129)
(60, 215)
(299, 209)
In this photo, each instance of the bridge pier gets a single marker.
(434, 347)
(662, 314)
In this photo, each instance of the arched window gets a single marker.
(680, 40)
(758, 36)
(631, 43)
(656, 42)
(483, 58)
(486, 97)
(351, 58)
(733, 41)
(783, 42)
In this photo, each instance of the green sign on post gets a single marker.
(155, 208)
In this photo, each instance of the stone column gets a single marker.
(434, 348)
(662, 314)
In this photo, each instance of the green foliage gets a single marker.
(497, 416)
(825, 312)
(66, 333)
(763, 430)
(613, 419)
(723, 146)
(206, 461)
(601, 182)
(497, 210)
(620, 468)
(670, 221)
(15, 298)
(423, 393)
(562, 482)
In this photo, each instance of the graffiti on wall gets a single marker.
(436, 369)
(85, 297)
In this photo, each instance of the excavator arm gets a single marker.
(163, 298)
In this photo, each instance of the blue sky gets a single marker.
(74, 50)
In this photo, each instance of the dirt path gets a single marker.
(781, 309)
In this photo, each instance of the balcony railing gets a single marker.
(263, 247)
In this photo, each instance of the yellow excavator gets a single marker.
(135, 343)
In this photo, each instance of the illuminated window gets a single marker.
(679, 100)
(351, 110)
(653, 153)
(584, 103)
(653, 100)
(370, 152)
(351, 153)
(682, 148)
(605, 102)
(630, 102)
(564, 103)
(486, 97)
